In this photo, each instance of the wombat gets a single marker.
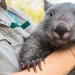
(55, 31)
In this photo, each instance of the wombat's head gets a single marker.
(59, 22)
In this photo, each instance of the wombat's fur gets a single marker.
(55, 31)
(3, 4)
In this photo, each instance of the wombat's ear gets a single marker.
(46, 5)
(3, 4)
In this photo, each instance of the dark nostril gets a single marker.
(61, 29)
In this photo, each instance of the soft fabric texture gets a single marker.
(12, 32)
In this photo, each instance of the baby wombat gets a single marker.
(55, 31)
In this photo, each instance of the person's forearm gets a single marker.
(73, 50)
(60, 62)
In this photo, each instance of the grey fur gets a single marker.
(42, 41)
(3, 4)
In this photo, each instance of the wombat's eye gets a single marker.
(51, 14)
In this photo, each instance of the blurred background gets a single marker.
(33, 8)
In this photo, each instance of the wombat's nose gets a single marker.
(61, 29)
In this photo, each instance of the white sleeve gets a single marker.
(8, 60)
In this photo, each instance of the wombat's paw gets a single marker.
(32, 63)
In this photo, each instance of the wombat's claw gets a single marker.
(34, 65)
(22, 65)
(28, 63)
(38, 61)
(43, 60)
(25, 65)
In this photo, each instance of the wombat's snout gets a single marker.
(61, 30)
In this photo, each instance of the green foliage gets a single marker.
(33, 8)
